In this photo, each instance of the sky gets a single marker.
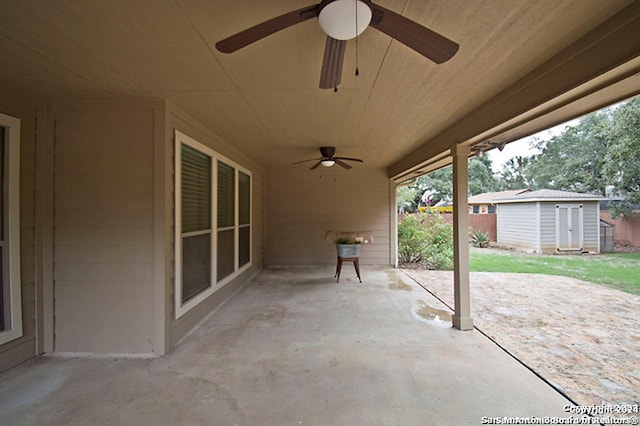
(522, 147)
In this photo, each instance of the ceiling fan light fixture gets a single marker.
(327, 163)
(338, 18)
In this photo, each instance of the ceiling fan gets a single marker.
(328, 159)
(343, 20)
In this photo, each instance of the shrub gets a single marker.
(439, 253)
(479, 239)
(430, 245)
(412, 239)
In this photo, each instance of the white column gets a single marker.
(462, 316)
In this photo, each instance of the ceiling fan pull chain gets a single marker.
(357, 70)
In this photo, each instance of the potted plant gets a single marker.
(348, 247)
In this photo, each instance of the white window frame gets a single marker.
(11, 127)
(180, 139)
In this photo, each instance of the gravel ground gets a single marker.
(581, 337)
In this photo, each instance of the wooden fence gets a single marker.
(626, 231)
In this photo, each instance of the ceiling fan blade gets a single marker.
(341, 163)
(315, 166)
(257, 32)
(426, 42)
(306, 161)
(348, 159)
(331, 72)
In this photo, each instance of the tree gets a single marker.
(573, 160)
(406, 198)
(515, 175)
(622, 160)
(481, 177)
(440, 182)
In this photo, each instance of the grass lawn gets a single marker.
(620, 271)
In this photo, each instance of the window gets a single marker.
(210, 189)
(196, 222)
(10, 282)
(226, 220)
(244, 221)
(492, 209)
(476, 209)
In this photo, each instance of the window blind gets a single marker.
(226, 195)
(196, 190)
(196, 218)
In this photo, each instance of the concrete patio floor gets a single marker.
(294, 347)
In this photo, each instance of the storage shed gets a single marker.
(549, 221)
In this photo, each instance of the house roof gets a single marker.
(548, 195)
(516, 64)
(489, 197)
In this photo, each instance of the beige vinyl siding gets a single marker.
(517, 225)
(303, 204)
(103, 228)
(29, 111)
(178, 120)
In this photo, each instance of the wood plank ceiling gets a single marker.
(264, 99)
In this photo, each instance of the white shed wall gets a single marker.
(517, 225)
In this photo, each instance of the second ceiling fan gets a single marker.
(343, 20)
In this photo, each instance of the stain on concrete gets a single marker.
(431, 315)
(397, 283)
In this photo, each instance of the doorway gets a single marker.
(569, 229)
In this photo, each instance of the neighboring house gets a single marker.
(483, 203)
(549, 221)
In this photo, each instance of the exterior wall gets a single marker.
(591, 221)
(517, 226)
(103, 228)
(482, 209)
(302, 205)
(547, 227)
(29, 110)
(178, 120)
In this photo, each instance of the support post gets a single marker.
(462, 316)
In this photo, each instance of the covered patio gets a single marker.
(294, 347)
(148, 177)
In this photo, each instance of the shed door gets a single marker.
(569, 230)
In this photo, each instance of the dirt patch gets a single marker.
(581, 337)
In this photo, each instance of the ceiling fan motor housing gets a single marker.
(328, 151)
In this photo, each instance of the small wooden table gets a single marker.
(356, 264)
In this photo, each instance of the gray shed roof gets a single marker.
(548, 195)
